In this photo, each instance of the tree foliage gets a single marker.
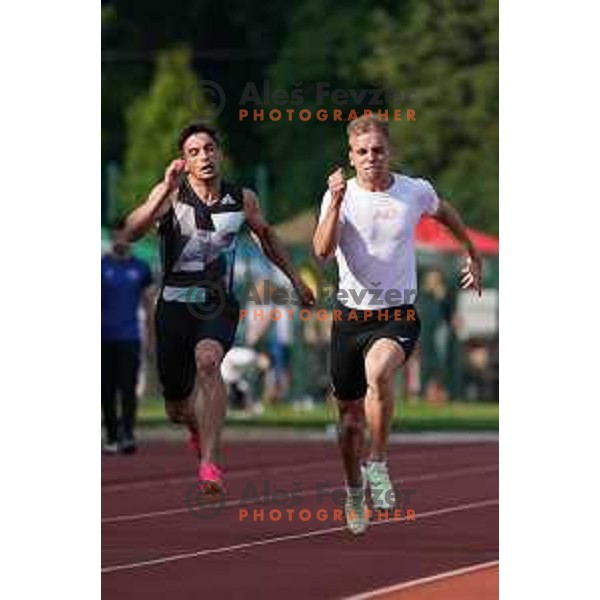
(153, 121)
(446, 52)
(439, 57)
(324, 46)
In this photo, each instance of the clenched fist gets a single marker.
(472, 274)
(173, 172)
(337, 186)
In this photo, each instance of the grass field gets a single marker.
(411, 416)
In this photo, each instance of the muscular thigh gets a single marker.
(383, 358)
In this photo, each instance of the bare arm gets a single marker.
(272, 247)
(143, 218)
(448, 216)
(326, 237)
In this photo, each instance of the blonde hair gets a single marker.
(368, 123)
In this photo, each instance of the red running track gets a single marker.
(157, 542)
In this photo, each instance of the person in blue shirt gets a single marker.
(126, 285)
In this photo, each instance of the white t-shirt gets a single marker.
(376, 251)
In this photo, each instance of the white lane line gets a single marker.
(241, 502)
(287, 538)
(143, 484)
(125, 487)
(423, 580)
(138, 485)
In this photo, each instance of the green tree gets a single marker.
(441, 59)
(321, 53)
(231, 43)
(154, 120)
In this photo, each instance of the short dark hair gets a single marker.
(197, 127)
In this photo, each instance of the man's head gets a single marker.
(120, 244)
(369, 153)
(199, 146)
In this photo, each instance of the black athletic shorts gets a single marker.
(351, 340)
(179, 327)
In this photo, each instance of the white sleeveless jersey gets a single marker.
(376, 251)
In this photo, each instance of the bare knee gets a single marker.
(383, 360)
(379, 380)
(208, 361)
(352, 418)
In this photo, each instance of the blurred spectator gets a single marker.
(256, 321)
(126, 283)
(269, 330)
(257, 324)
(434, 311)
(481, 370)
(241, 367)
(311, 351)
(279, 347)
(452, 348)
(316, 335)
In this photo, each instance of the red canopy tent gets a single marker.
(432, 235)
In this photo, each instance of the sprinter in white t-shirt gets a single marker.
(369, 222)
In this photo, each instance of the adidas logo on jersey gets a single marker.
(227, 200)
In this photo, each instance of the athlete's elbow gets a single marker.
(132, 230)
(317, 248)
(322, 255)
(322, 252)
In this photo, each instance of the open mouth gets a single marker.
(207, 168)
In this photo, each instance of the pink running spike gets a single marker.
(210, 479)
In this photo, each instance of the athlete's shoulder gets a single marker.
(249, 194)
(407, 180)
(417, 185)
(420, 191)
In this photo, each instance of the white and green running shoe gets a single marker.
(357, 517)
(383, 495)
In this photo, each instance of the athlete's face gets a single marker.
(202, 156)
(370, 156)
